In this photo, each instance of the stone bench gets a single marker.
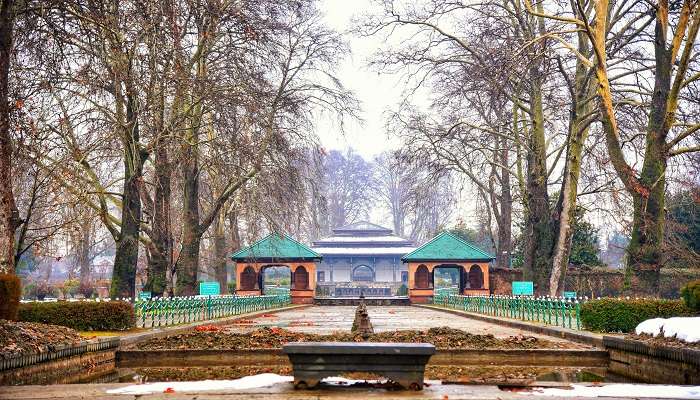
(403, 363)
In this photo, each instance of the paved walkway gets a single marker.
(328, 319)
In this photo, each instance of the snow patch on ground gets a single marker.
(624, 390)
(683, 328)
(247, 382)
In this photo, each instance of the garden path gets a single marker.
(329, 319)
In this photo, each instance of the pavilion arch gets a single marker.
(281, 268)
(300, 278)
(475, 277)
(457, 275)
(362, 273)
(422, 277)
(249, 279)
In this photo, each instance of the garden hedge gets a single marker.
(690, 293)
(81, 315)
(622, 315)
(10, 292)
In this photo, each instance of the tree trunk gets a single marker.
(161, 236)
(49, 270)
(83, 254)
(127, 254)
(9, 215)
(235, 236)
(581, 108)
(221, 253)
(645, 249)
(504, 247)
(188, 261)
(539, 238)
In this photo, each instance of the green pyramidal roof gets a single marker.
(275, 247)
(447, 247)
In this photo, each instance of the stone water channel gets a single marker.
(568, 361)
(501, 373)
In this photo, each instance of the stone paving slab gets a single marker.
(329, 319)
(285, 391)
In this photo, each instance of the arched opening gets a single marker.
(248, 278)
(301, 278)
(276, 279)
(362, 273)
(422, 278)
(447, 278)
(476, 277)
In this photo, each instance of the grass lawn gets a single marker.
(94, 334)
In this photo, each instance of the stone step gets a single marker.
(355, 301)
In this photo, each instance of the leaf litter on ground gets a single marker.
(29, 337)
(274, 337)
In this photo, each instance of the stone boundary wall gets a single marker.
(628, 358)
(443, 357)
(653, 364)
(70, 364)
(58, 352)
(596, 282)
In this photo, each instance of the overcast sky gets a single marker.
(376, 93)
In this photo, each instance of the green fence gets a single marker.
(447, 291)
(157, 312)
(551, 311)
(277, 291)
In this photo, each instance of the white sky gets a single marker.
(377, 93)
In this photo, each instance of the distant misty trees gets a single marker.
(416, 200)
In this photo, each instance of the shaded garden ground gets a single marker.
(29, 337)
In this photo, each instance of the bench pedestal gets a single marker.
(403, 363)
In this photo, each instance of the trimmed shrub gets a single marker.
(81, 315)
(402, 291)
(690, 293)
(10, 292)
(621, 315)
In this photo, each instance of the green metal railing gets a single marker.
(552, 311)
(447, 291)
(277, 291)
(164, 311)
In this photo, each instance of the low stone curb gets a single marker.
(583, 337)
(58, 351)
(680, 354)
(128, 340)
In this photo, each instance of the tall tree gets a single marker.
(9, 215)
(673, 54)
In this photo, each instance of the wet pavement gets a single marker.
(329, 319)
(284, 390)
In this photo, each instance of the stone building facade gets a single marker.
(362, 255)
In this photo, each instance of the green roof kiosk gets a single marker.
(447, 250)
(277, 251)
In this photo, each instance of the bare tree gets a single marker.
(9, 215)
(347, 181)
